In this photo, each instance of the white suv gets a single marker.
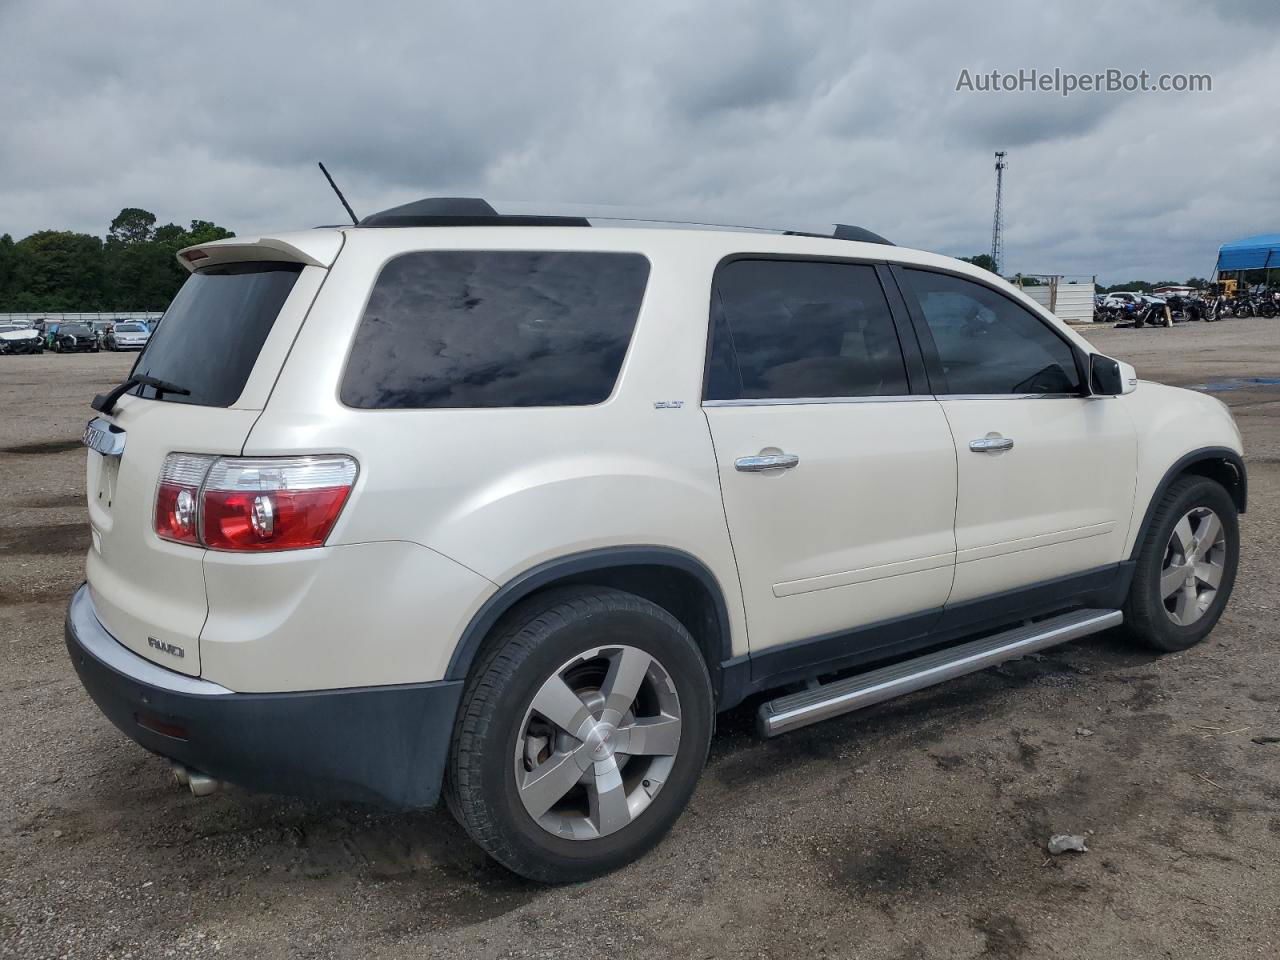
(509, 507)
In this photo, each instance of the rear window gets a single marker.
(495, 329)
(129, 328)
(209, 339)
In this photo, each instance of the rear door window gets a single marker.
(209, 339)
(449, 329)
(792, 329)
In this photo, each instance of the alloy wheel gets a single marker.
(1193, 565)
(597, 742)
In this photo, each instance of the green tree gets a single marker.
(132, 225)
(8, 270)
(202, 231)
(136, 268)
(59, 271)
(982, 260)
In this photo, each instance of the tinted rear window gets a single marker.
(210, 337)
(784, 329)
(495, 329)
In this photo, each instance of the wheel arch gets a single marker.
(1220, 464)
(671, 578)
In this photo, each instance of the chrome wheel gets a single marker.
(1193, 565)
(597, 743)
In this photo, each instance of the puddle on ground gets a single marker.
(1227, 384)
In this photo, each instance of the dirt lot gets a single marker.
(914, 830)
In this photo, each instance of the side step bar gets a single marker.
(862, 690)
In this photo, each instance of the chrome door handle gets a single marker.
(783, 461)
(992, 443)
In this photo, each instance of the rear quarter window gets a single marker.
(454, 329)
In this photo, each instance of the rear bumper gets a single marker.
(383, 745)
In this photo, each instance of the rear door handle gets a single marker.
(760, 462)
(991, 443)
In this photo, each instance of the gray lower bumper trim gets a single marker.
(95, 639)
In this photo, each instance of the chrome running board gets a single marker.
(853, 693)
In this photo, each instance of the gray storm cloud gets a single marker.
(819, 112)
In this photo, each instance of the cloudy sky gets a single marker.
(789, 112)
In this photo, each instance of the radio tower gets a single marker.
(997, 222)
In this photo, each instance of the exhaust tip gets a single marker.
(202, 784)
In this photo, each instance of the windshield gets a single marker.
(209, 339)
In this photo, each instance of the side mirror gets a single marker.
(1110, 378)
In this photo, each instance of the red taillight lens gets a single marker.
(276, 503)
(255, 503)
(177, 498)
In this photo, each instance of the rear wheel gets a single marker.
(581, 734)
(1186, 566)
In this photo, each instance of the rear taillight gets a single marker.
(177, 497)
(252, 503)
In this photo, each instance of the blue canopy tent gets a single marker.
(1252, 253)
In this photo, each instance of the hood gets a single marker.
(27, 334)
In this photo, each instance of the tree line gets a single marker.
(132, 268)
(984, 261)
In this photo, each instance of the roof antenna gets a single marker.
(351, 213)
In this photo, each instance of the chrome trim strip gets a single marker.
(801, 401)
(902, 398)
(1010, 396)
(843, 696)
(93, 637)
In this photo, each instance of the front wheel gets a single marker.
(581, 735)
(1186, 566)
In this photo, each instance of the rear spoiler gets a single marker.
(315, 248)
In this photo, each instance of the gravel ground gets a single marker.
(913, 830)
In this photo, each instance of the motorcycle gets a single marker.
(1268, 304)
(1154, 313)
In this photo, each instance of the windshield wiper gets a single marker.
(106, 402)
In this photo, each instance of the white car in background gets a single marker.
(128, 335)
(20, 338)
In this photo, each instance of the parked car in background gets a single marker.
(128, 335)
(1120, 299)
(20, 339)
(75, 338)
(669, 468)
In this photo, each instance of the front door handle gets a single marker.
(760, 462)
(991, 443)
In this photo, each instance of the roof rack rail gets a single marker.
(476, 212)
(461, 212)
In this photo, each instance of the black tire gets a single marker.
(1145, 616)
(528, 647)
